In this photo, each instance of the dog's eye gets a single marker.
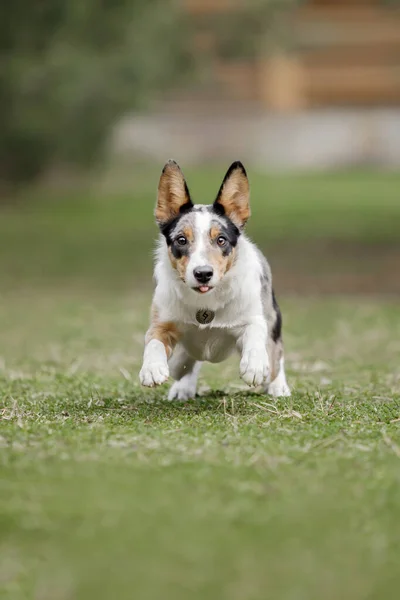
(181, 240)
(221, 241)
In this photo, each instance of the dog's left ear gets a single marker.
(173, 194)
(233, 199)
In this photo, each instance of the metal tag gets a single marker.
(205, 316)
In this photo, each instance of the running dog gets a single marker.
(213, 290)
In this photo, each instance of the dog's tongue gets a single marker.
(204, 288)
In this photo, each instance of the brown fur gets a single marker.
(219, 261)
(172, 193)
(188, 233)
(214, 232)
(166, 332)
(275, 351)
(235, 196)
(179, 264)
(216, 258)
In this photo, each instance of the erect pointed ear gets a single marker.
(234, 195)
(173, 194)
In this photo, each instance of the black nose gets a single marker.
(203, 274)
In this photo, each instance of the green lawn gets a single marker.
(107, 232)
(111, 492)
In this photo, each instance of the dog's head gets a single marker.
(202, 239)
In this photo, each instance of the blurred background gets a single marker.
(107, 487)
(96, 95)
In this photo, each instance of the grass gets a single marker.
(110, 491)
(97, 234)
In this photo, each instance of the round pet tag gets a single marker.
(205, 316)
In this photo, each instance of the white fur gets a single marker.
(235, 299)
(185, 388)
(198, 257)
(279, 386)
(155, 365)
(254, 365)
(239, 322)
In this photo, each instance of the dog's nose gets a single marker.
(203, 274)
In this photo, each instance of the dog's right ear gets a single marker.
(173, 194)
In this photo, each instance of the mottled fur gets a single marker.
(205, 262)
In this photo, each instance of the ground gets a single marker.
(111, 491)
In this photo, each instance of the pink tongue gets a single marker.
(204, 288)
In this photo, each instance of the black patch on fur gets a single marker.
(232, 233)
(218, 208)
(168, 226)
(228, 227)
(188, 206)
(177, 250)
(277, 329)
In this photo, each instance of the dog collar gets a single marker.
(205, 316)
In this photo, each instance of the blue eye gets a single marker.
(221, 241)
(182, 241)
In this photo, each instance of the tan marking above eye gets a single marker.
(215, 232)
(188, 233)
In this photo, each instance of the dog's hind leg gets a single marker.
(185, 370)
(279, 387)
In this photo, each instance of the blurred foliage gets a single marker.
(68, 69)
(254, 27)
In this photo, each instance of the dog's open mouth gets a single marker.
(203, 289)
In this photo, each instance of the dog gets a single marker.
(213, 290)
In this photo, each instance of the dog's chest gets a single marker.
(210, 344)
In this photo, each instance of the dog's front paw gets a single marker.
(254, 367)
(154, 373)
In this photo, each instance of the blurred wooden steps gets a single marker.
(344, 52)
(349, 54)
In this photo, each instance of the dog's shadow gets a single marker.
(151, 406)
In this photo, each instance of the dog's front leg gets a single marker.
(252, 343)
(160, 341)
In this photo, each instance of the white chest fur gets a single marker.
(210, 344)
(236, 301)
